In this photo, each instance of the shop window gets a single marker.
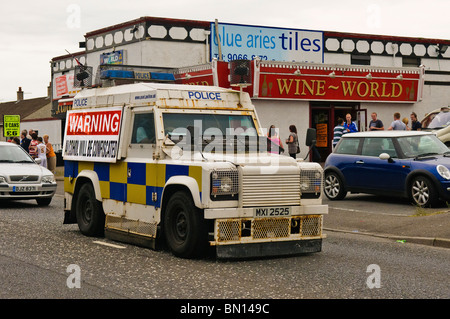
(410, 62)
(360, 59)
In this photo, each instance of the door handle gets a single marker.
(359, 162)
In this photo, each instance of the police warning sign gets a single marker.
(92, 135)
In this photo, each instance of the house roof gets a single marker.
(24, 108)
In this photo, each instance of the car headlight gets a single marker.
(2, 179)
(443, 171)
(224, 183)
(48, 179)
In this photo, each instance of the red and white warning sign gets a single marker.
(92, 135)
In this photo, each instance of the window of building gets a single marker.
(410, 61)
(360, 59)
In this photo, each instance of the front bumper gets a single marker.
(269, 249)
(27, 191)
(238, 234)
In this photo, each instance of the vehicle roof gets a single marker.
(396, 133)
(7, 143)
(163, 94)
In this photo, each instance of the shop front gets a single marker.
(333, 91)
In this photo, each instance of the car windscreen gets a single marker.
(14, 154)
(214, 132)
(209, 124)
(436, 120)
(421, 145)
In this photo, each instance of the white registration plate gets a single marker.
(24, 188)
(272, 212)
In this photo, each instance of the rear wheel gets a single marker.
(423, 192)
(90, 215)
(184, 227)
(334, 187)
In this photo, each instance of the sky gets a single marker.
(33, 32)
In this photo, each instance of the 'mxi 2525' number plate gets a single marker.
(272, 212)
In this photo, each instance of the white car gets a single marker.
(23, 178)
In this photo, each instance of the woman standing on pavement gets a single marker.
(51, 156)
(292, 142)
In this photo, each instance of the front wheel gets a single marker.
(423, 192)
(89, 211)
(184, 227)
(334, 186)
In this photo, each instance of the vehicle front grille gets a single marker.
(295, 227)
(24, 178)
(271, 190)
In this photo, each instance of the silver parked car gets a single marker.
(23, 178)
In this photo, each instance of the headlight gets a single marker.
(224, 183)
(310, 183)
(443, 171)
(48, 179)
(2, 179)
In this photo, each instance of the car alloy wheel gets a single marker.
(422, 192)
(334, 187)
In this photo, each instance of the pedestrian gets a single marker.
(406, 121)
(276, 147)
(32, 149)
(41, 151)
(375, 124)
(338, 131)
(349, 126)
(292, 142)
(397, 124)
(25, 142)
(415, 124)
(51, 156)
(16, 140)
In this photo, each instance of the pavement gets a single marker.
(369, 215)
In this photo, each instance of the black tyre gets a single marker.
(90, 215)
(184, 227)
(334, 186)
(43, 201)
(422, 192)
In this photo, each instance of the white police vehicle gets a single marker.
(186, 165)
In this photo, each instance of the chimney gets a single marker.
(20, 94)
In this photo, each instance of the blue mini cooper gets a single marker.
(409, 164)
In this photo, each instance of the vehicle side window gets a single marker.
(348, 146)
(374, 146)
(143, 129)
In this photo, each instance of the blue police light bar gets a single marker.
(117, 74)
(162, 76)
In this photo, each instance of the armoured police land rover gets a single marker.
(187, 166)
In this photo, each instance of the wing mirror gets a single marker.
(386, 156)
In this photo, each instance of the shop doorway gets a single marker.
(324, 117)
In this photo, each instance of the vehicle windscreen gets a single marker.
(214, 132)
(422, 145)
(436, 120)
(14, 154)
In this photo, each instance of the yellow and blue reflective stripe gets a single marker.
(144, 180)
